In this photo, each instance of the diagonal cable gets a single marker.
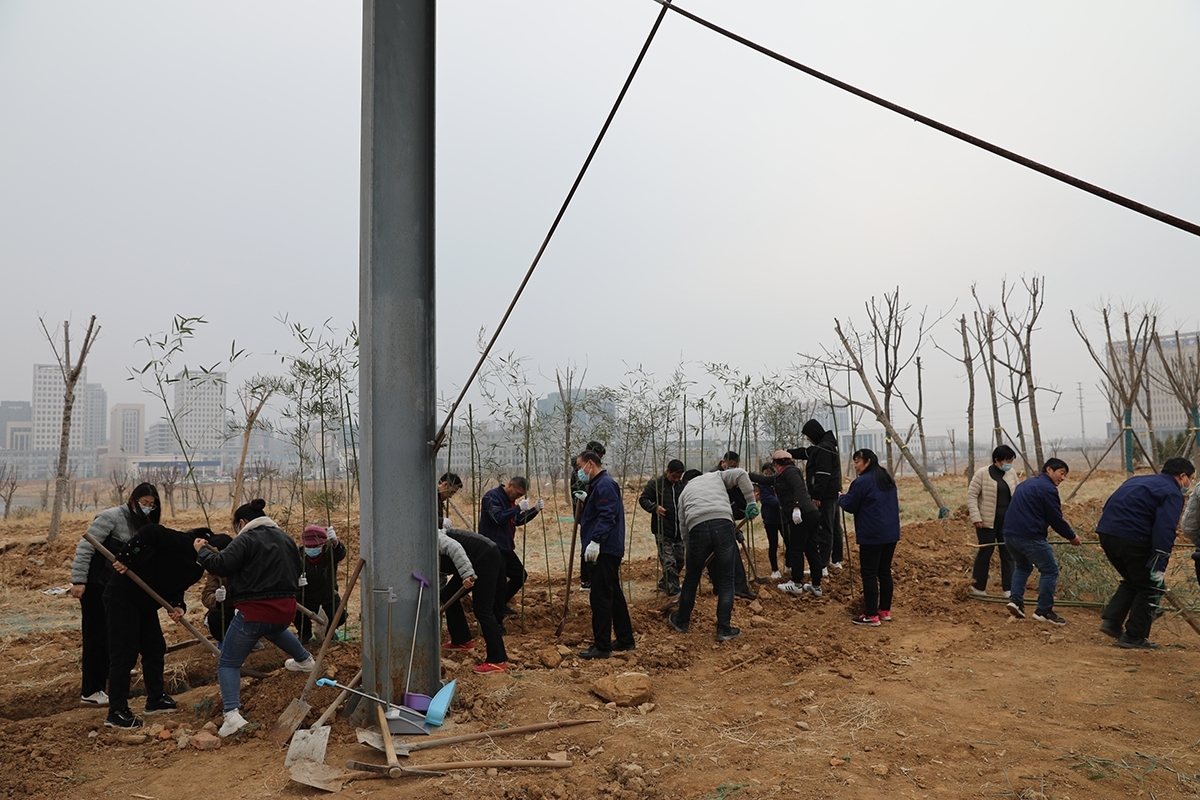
(1070, 180)
(441, 434)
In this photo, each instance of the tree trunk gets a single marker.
(968, 362)
(70, 373)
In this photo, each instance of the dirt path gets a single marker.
(952, 699)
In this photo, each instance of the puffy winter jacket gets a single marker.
(981, 495)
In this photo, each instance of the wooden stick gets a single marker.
(316, 670)
(752, 658)
(457, 596)
(1188, 616)
(570, 570)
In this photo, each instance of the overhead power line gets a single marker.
(441, 434)
(1070, 180)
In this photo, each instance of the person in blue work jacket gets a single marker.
(1035, 506)
(873, 501)
(503, 509)
(1137, 532)
(602, 526)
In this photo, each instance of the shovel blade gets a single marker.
(289, 721)
(319, 776)
(308, 745)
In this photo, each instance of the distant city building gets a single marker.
(1165, 410)
(88, 416)
(200, 412)
(160, 441)
(16, 420)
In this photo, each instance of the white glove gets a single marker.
(221, 594)
(1158, 577)
(331, 533)
(446, 524)
(524, 504)
(580, 495)
(797, 517)
(540, 504)
(592, 552)
(303, 580)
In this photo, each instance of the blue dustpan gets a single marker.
(440, 704)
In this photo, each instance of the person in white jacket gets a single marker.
(987, 501)
(706, 516)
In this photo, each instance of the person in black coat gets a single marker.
(660, 500)
(823, 474)
(798, 516)
(321, 552)
(488, 563)
(166, 560)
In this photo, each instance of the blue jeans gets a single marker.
(239, 641)
(715, 537)
(1027, 554)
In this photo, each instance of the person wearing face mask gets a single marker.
(322, 553)
(91, 572)
(1137, 532)
(988, 497)
(602, 526)
(578, 496)
(1035, 507)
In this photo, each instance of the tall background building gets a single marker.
(89, 423)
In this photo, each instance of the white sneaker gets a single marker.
(776, 576)
(977, 592)
(791, 587)
(836, 565)
(94, 699)
(234, 722)
(824, 572)
(806, 572)
(300, 666)
(815, 591)
(1007, 593)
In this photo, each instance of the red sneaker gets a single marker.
(885, 615)
(488, 668)
(465, 647)
(863, 619)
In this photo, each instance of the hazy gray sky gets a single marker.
(203, 159)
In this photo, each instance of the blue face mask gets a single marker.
(312, 552)
(581, 476)
(147, 509)
(1006, 467)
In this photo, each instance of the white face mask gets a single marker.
(1006, 467)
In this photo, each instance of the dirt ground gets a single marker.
(952, 699)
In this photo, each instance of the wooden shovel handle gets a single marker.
(514, 763)
(425, 744)
(341, 698)
(316, 670)
(457, 596)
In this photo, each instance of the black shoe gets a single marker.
(161, 705)
(507, 611)
(673, 621)
(1048, 616)
(121, 718)
(731, 633)
(1016, 608)
(1110, 628)
(1129, 643)
(594, 652)
(746, 594)
(621, 648)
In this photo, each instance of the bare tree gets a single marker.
(967, 359)
(120, 480)
(1020, 325)
(1125, 366)
(252, 397)
(8, 485)
(71, 371)
(985, 334)
(1181, 377)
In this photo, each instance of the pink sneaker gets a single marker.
(863, 619)
(465, 647)
(885, 615)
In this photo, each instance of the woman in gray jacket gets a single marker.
(90, 573)
(987, 501)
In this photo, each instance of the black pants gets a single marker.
(1137, 594)
(802, 545)
(514, 574)
(875, 564)
(715, 538)
(610, 615)
(830, 542)
(489, 578)
(94, 659)
(134, 629)
(773, 531)
(983, 560)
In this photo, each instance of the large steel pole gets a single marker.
(396, 323)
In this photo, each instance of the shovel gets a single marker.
(332, 779)
(298, 709)
(319, 620)
(370, 738)
(310, 745)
